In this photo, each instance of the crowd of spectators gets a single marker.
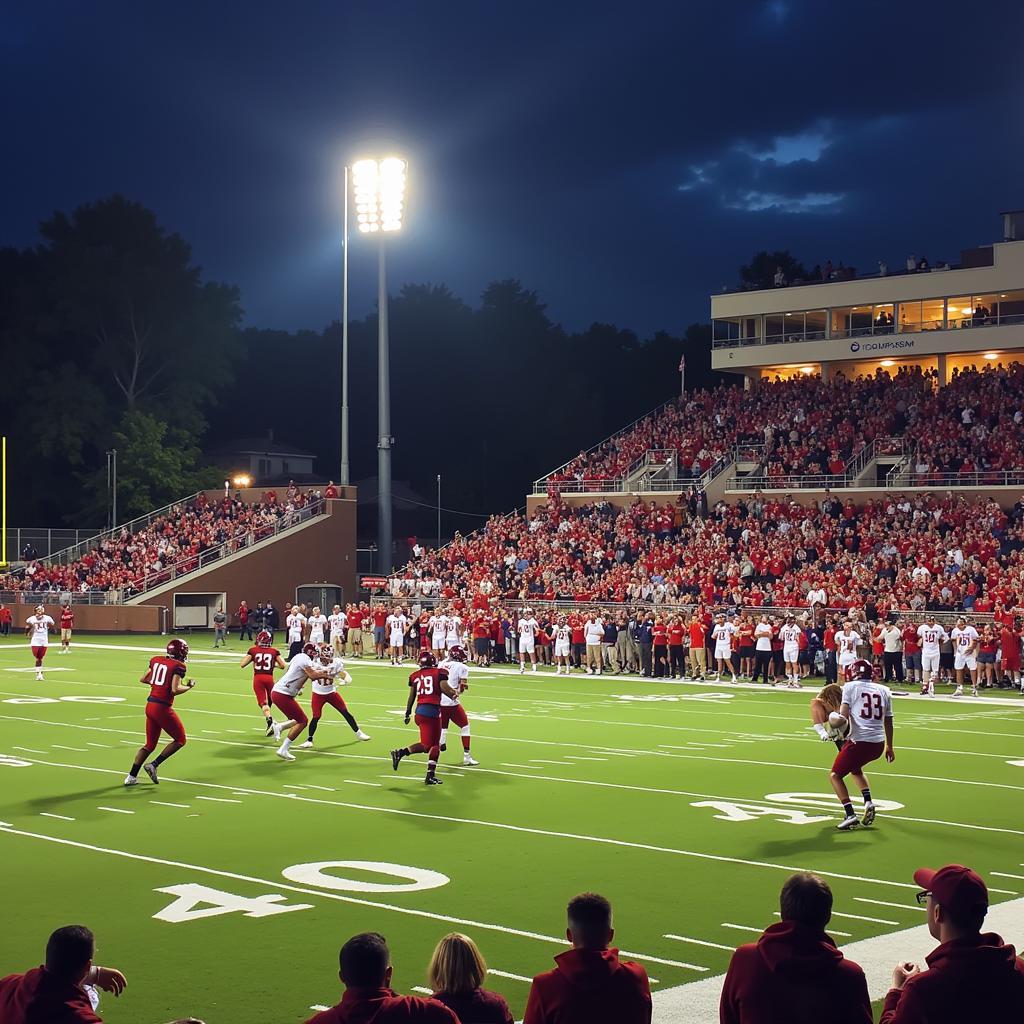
(134, 561)
(791, 972)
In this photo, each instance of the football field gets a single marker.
(226, 891)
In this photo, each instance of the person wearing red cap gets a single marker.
(970, 975)
(590, 982)
(795, 970)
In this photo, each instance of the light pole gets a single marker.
(438, 512)
(343, 479)
(112, 486)
(380, 197)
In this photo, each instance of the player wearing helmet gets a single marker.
(325, 692)
(867, 706)
(37, 628)
(304, 665)
(165, 678)
(264, 658)
(426, 687)
(452, 711)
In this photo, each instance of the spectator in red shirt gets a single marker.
(330, 491)
(590, 983)
(970, 975)
(5, 620)
(456, 973)
(59, 991)
(676, 648)
(795, 970)
(365, 962)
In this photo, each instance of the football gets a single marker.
(838, 724)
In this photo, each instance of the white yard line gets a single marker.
(115, 810)
(359, 782)
(857, 917)
(508, 974)
(29, 750)
(700, 942)
(167, 803)
(61, 817)
(219, 799)
(77, 750)
(886, 903)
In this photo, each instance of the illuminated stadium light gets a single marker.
(888, 362)
(991, 355)
(241, 480)
(379, 194)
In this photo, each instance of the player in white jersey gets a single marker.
(453, 632)
(789, 634)
(931, 635)
(325, 691)
(847, 640)
(337, 621)
(452, 711)
(965, 655)
(317, 623)
(561, 635)
(722, 633)
(867, 707)
(527, 628)
(437, 627)
(295, 624)
(37, 629)
(396, 627)
(286, 689)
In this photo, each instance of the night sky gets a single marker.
(623, 159)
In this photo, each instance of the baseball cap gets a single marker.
(960, 890)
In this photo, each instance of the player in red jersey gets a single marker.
(67, 624)
(165, 678)
(426, 685)
(264, 658)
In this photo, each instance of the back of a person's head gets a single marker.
(69, 950)
(364, 960)
(590, 919)
(806, 899)
(456, 965)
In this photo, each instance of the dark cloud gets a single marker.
(621, 159)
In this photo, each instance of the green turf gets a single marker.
(516, 837)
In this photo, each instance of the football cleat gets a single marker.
(308, 745)
(444, 747)
(847, 823)
(150, 770)
(360, 735)
(433, 780)
(285, 755)
(959, 691)
(869, 813)
(469, 761)
(396, 758)
(276, 729)
(130, 780)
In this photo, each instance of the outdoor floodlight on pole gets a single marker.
(379, 187)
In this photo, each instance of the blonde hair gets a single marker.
(831, 696)
(456, 965)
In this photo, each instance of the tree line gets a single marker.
(119, 341)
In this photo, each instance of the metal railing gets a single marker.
(204, 559)
(44, 539)
(73, 553)
(909, 477)
(54, 595)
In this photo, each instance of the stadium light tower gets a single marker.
(379, 187)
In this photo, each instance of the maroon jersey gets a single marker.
(263, 660)
(67, 618)
(162, 671)
(427, 684)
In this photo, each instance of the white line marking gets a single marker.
(319, 1006)
(167, 803)
(357, 782)
(540, 760)
(886, 903)
(326, 789)
(701, 942)
(580, 757)
(219, 799)
(429, 914)
(1003, 874)
(858, 917)
(115, 810)
(103, 746)
(742, 927)
(287, 786)
(29, 750)
(508, 974)
(211, 732)
(509, 764)
(61, 817)
(77, 750)
(422, 990)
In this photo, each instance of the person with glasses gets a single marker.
(970, 975)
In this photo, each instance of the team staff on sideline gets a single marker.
(971, 975)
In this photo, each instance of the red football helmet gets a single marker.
(264, 638)
(311, 650)
(177, 649)
(326, 653)
(458, 653)
(427, 660)
(860, 669)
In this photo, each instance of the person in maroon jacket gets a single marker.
(365, 963)
(56, 992)
(970, 975)
(456, 973)
(590, 983)
(794, 971)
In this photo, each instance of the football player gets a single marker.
(37, 628)
(264, 658)
(829, 699)
(166, 680)
(867, 707)
(325, 691)
(426, 686)
(286, 689)
(452, 710)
